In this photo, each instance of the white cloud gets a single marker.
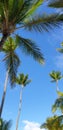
(59, 61)
(31, 125)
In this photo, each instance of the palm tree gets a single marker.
(53, 123)
(12, 62)
(56, 76)
(21, 80)
(19, 14)
(5, 125)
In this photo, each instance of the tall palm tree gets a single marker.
(5, 125)
(21, 80)
(12, 62)
(18, 14)
(56, 76)
(52, 123)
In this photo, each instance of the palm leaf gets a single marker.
(60, 50)
(12, 62)
(44, 22)
(58, 104)
(5, 125)
(30, 48)
(56, 4)
(60, 93)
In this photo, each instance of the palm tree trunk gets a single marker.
(19, 109)
(4, 93)
(57, 88)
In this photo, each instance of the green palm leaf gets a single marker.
(60, 49)
(30, 48)
(60, 94)
(5, 125)
(56, 4)
(44, 22)
(34, 7)
(12, 62)
(58, 104)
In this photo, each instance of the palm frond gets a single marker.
(56, 4)
(58, 104)
(60, 50)
(12, 62)
(60, 94)
(34, 7)
(5, 125)
(44, 22)
(30, 48)
(21, 9)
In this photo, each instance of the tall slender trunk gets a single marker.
(19, 109)
(4, 93)
(57, 88)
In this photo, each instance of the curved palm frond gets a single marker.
(44, 22)
(5, 125)
(60, 49)
(30, 48)
(56, 4)
(12, 62)
(34, 7)
(58, 105)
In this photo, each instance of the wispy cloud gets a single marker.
(31, 125)
(59, 61)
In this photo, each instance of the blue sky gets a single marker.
(40, 94)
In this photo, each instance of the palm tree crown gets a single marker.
(16, 14)
(53, 123)
(55, 75)
(22, 80)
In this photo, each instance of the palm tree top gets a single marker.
(18, 14)
(10, 45)
(22, 79)
(55, 75)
